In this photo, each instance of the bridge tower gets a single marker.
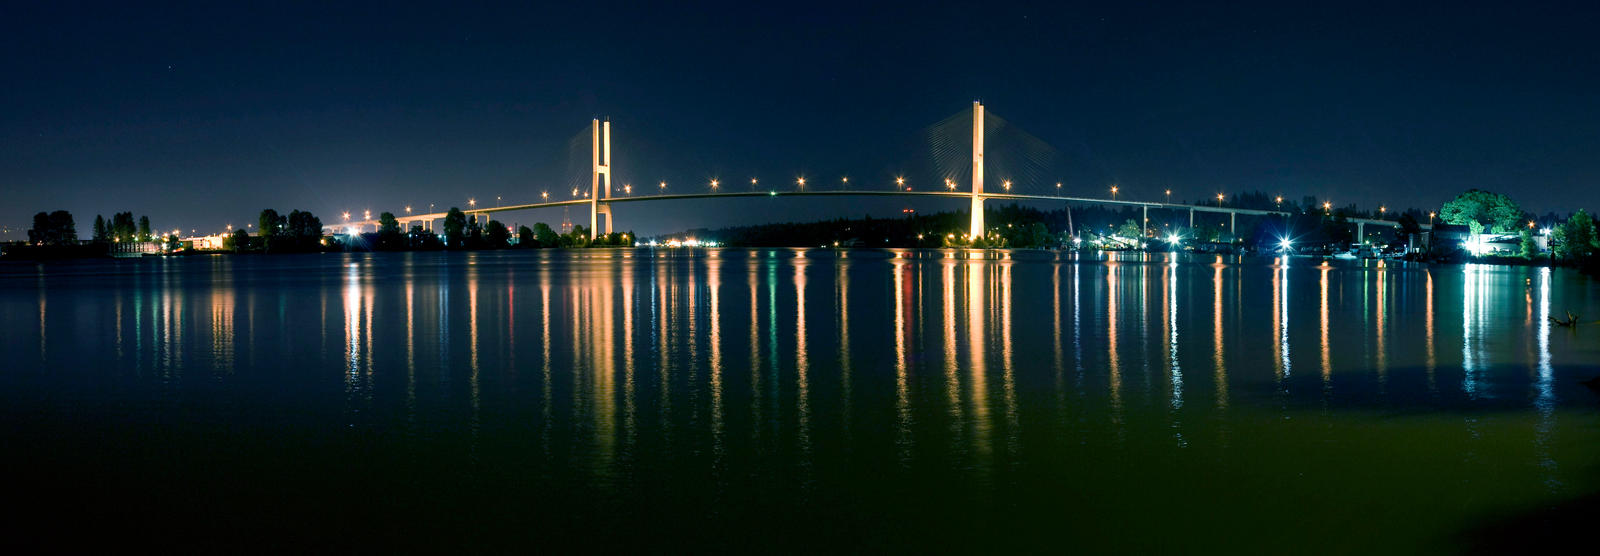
(977, 230)
(602, 166)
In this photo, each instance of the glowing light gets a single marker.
(800, 181)
(752, 182)
(663, 186)
(900, 181)
(1007, 185)
(1174, 239)
(408, 209)
(1530, 224)
(347, 216)
(713, 184)
(1058, 185)
(474, 202)
(1285, 243)
(1326, 205)
(544, 195)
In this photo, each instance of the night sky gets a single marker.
(203, 115)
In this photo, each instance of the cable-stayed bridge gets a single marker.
(969, 184)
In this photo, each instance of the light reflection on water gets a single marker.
(838, 382)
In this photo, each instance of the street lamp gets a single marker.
(347, 216)
(1327, 206)
(1279, 201)
(1007, 185)
(1058, 186)
(752, 184)
(545, 195)
(1219, 200)
(366, 215)
(627, 189)
(950, 184)
(1431, 214)
(474, 202)
(713, 185)
(663, 186)
(1113, 192)
(900, 181)
(801, 182)
(408, 209)
(1169, 195)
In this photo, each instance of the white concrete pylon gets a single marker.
(977, 230)
(601, 132)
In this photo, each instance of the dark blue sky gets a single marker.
(202, 115)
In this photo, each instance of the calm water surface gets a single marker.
(781, 400)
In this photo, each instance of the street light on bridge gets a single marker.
(347, 216)
(752, 184)
(713, 185)
(1279, 200)
(1006, 184)
(366, 215)
(1114, 192)
(950, 184)
(408, 209)
(1327, 206)
(544, 195)
(474, 202)
(801, 182)
(1219, 200)
(900, 181)
(627, 189)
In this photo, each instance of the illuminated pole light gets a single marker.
(366, 215)
(663, 186)
(627, 189)
(544, 195)
(1327, 206)
(801, 182)
(900, 181)
(574, 192)
(347, 216)
(1114, 190)
(713, 184)
(1279, 200)
(950, 184)
(752, 184)
(1219, 200)
(1058, 186)
(1006, 184)
(1430, 217)
(408, 209)
(474, 202)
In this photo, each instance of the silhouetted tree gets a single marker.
(496, 235)
(144, 229)
(525, 238)
(101, 234)
(546, 235)
(455, 227)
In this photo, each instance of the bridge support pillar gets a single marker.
(1191, 219)
(1233, 222)
(1144, 226)
(1361, 232)
(977, 230)
(601, 132)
